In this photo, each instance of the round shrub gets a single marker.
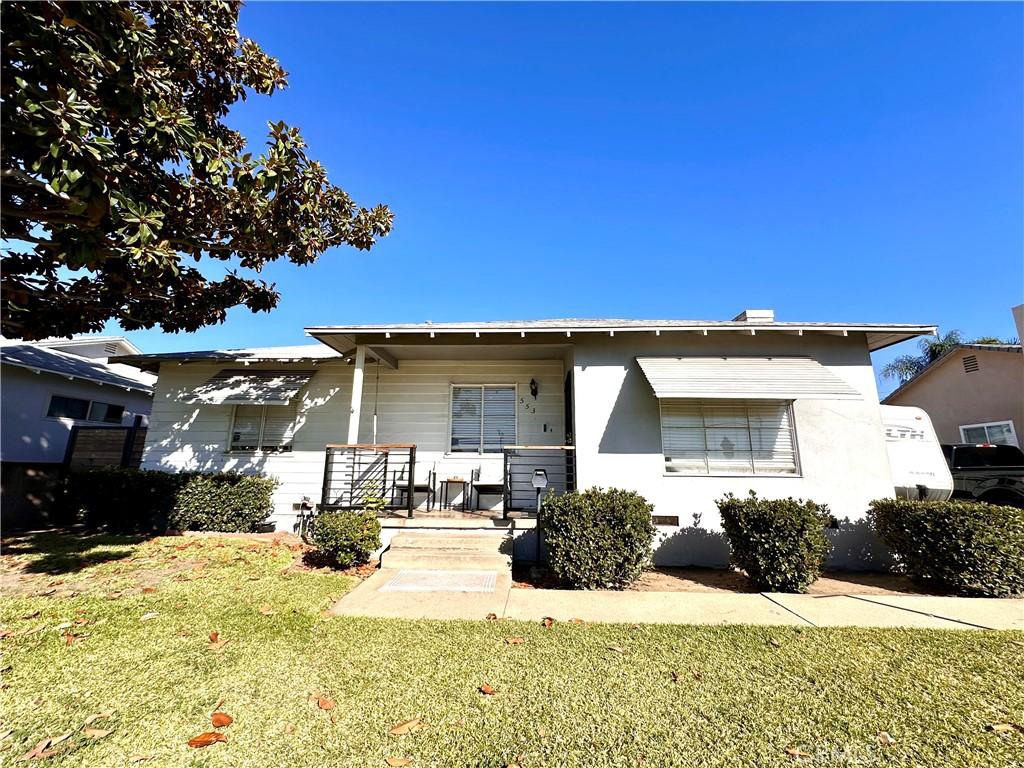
(779, 543)
(597, 538)
(346, 537)
(967, 547)
(223, 502)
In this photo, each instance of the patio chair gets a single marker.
(421, 484)
(480, 485)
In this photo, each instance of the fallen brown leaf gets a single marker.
(492, 617)
(324, 703)
(267, 610)
(774, 643)
(216, 644)
(95, 733)
(206, 739)
(1004, 727)
(140, 758)
(36, 751)
(98, 716)
(407, 726)
(221, 719)
(148, 590)
(486, 690)
(6, 734)
(148, 616)
(885, 739)
(577, 621)
(33, 615)
(58, 739)
(547, 622)
(81, 621)
(398, 762)
(617, 649)
(796, 753)
(514, 641)
(289, 729)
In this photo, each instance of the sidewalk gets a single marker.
(683, 607)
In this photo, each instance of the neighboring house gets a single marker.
(48, 388)
(682, 412)
(974, 394)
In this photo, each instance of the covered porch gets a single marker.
(390, 478)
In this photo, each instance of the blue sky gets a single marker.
(834, 162)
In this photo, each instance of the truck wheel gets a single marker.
(1003, 498)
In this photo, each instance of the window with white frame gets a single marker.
(63, 407)
(997, 432)
(483, 418)
(728, 437)
(262, 427)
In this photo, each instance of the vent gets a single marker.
(970, 363)
(110, 348)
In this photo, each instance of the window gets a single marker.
(108, 413)
(62, 407)
(728, 437)
(997, 432)
(262, 428)
(483, 418)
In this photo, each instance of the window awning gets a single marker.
(246, 387)
(752, 378)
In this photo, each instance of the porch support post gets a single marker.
(357, 395)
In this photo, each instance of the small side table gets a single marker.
(446, 485)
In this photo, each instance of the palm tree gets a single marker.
(906, 367)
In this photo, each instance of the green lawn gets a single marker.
(741, 697)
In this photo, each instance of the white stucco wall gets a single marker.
(412, 403)
(843, 459)
(29, 435)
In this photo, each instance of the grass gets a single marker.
(597, 695)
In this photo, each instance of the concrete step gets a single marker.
(485, 543)
(444, 560)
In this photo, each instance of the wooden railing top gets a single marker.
(540, 447)
(373, 446)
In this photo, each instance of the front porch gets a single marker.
(401, 485)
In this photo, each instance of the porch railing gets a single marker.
(521, 463)
(355, 473)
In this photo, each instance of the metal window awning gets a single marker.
(752, 378)
(247, 387)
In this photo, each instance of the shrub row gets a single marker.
(147, 501)
(601, 539)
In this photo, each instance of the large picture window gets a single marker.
(997, 432)
(728, 437)
(483, 418)
(262, 427)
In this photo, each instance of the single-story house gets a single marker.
(50, 388)
(974, 393)
(441, 415)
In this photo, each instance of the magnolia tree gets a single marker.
(120, 178)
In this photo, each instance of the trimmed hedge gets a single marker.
(779, 543)
(967, 547)
(597, 539)
(149, 501)
(346, 537)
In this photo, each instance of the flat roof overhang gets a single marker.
(344, 339)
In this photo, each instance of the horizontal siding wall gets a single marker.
(412, 404)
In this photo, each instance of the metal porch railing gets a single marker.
(355, 473)
(521, 462)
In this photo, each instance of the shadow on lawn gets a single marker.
(64, 551)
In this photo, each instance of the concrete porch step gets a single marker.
(448, 552)
(487, 543)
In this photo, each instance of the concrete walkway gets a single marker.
(683, 607)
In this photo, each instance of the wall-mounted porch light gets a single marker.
(534, 389)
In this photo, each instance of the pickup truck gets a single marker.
(987, 472)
